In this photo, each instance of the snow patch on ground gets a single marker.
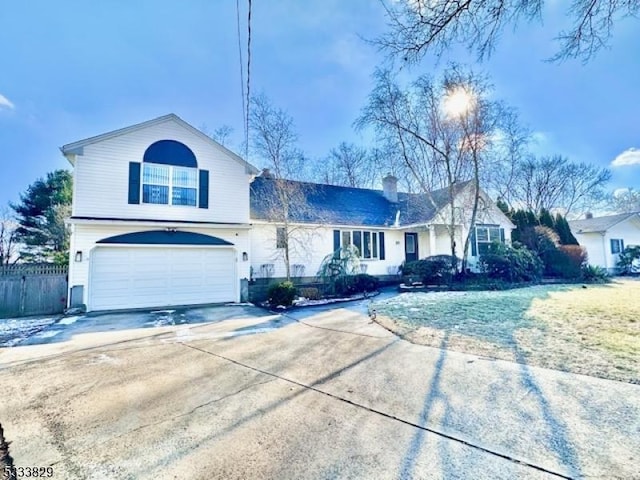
(69, 320)
(15, 330)
(187, 336)
(47, 334)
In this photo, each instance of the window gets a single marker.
(281, 237)
(169, 185)
(617, 245)
(411, 244)
(485, 236)
(368, 243)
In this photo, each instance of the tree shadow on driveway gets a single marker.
(433, 394)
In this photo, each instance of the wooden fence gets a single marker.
(32, 290)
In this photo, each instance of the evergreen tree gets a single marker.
(545, 219)
(502, 205)
(564, 231)
(41, 214)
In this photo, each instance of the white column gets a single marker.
(432, 240)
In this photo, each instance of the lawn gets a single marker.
(592, 329)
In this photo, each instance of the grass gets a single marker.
(593, 330)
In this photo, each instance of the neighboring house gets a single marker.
(606, 237)
(163, 215)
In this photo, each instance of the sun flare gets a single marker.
(458, 102)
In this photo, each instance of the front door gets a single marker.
(411, 247)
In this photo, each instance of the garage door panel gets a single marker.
(139, 277)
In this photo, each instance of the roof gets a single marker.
(76, 147)
(336, 205)
(599, 224)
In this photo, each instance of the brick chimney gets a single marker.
(266, 173)
(390, 188)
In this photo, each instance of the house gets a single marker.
(160, 216)
(606, 237)
(388, 227)
(164, 215)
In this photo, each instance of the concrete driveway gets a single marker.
(322, 393)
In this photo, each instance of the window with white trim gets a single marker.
(486, 235)
(281, 237)
(366, 241)
(617, 245)
(169, 185)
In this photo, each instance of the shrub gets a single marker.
(281, 294)
(566, 261)
(505, 262)
(436, 269)
(594, 274)
(540, 239)
(344, 261)
(352, 284)
(628, 260)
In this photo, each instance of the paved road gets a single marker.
(323, 393)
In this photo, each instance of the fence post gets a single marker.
(23, 293)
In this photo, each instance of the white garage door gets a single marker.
(139, 277)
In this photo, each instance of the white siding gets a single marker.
(101, 178)
(84, 238)
(598, 245)
(596, 248)
(310, 246)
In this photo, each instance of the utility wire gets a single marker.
(244, 109)
(248, 102)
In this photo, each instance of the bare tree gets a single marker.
(348, 165)
(555, 183)
(222, 134)
(274, 140)
(624, 200)
(397, 118)
(444, 130)
(8, 238)
(385, 159)
(421, 26)
(510, 145)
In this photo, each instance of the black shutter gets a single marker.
(474, 247)
(134, 182)
(381, 240)
(203, 197)
(336, 240)
(502, 235)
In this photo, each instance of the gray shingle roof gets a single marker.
(598, 224)
(335, 205)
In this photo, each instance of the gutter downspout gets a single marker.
(604, 252)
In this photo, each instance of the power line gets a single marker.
(244, 109)
(248, 102)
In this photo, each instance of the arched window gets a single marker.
(169, 174)
(170, 152)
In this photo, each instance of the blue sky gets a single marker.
(71, 69)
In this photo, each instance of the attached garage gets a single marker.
(159, 268)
